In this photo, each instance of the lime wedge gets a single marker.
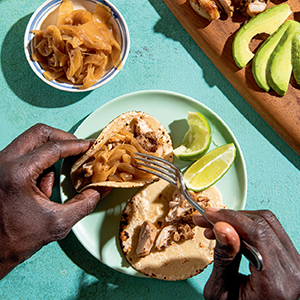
(210, 168)
(197, 139)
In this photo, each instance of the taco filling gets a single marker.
(178, 225)
(158, 236)
(113, 161)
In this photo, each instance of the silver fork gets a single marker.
(172, 174)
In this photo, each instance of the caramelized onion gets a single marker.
(102, 176)
(79, 48)
(115, 161)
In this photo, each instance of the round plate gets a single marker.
(47, 14)
(99, 232)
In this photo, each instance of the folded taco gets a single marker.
(158, 236)
(110, 163)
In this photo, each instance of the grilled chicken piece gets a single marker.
(178, 224)
(175, 232)
(206, 8)
(251, 8)
(185, 231)
(148, 141)
(147, 237)
(139, 125)
(178, 207)
(146, 137)
(227, 6)
(210, 9)
(165, 237)
(178, 212)
(88, 168)
(255, 7)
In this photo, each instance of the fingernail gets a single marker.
(221, 237)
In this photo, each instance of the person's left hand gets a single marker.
(28, 218)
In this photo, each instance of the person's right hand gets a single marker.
(280, 275)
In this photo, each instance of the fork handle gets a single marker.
(252, 254)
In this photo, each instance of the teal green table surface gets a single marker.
(162, 57)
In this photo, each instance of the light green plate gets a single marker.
(99, 232)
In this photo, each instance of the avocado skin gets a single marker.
(296, 56)
(265, 22)
(260, 60)
(279, 67)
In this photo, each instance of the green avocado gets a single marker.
(296, 56)
(260, 60)
(279, 67)
(265, 22)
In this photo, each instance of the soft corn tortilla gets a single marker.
(179, 261)
(114, 127)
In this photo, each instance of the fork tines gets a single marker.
(156, 166)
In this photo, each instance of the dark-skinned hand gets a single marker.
(28, 218)
(280, 276)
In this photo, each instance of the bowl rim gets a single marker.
(37, 19)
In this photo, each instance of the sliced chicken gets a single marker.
(140, 126)
(256, 7)
(185, 231)
(179, 207)
(227, 6)
(211, 9)
(208, 9)
(165, 237)
(146, 240)
(148, 141)
(178, 224)
(145, 136)
(250, 8)
(203, 201)
(178, 212)
(88, 168)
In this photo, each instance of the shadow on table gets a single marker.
(22, 80)
(116, 285)
(169, 26)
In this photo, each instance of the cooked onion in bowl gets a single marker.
(79, 48)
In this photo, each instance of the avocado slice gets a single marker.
(260, 60)
(279, 67)
(265, 22)
(296, 56)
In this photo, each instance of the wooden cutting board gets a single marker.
(215, 39)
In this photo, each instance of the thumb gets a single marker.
(80, 206)
(226, 262)
(69, 213)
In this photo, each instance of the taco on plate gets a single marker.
(158, 236)
(110, 161)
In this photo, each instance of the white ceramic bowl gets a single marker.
(47, 14)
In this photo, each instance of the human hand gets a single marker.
(28, 218)
(280, 275)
